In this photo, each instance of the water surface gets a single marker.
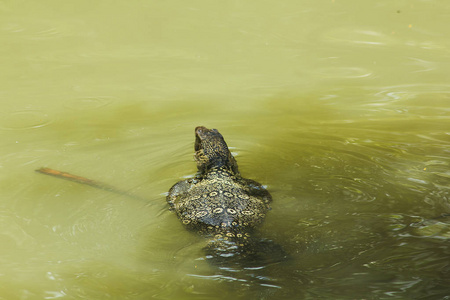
(340, 107)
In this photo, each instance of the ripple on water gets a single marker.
(344, 72)
(357, 37)
(89, 103)
(432, 229)
(43, 29)
(433, 97)
(25, 119)
(398, 92)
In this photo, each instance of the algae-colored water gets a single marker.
(342, 108)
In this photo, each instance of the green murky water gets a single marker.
(340, 107)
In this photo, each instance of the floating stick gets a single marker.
(86, 181)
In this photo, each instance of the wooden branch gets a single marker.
(86, 181)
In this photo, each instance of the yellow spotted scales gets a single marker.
(218, 202)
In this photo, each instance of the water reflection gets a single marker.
(89, 103)
(26, 119)
(360, 37)
(344, 72)
(339, 107)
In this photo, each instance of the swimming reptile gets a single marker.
(220, 204)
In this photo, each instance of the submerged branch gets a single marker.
(86, 181)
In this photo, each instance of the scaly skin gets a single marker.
(218, 202)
